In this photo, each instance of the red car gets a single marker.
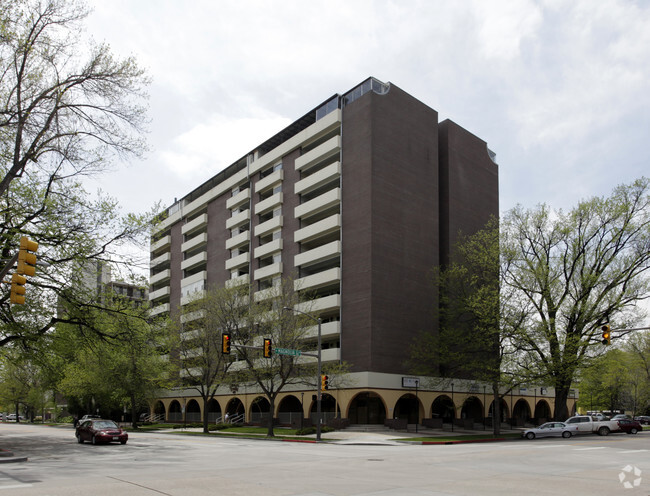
(100, 431)
(629, 426)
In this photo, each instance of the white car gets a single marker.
(12, 417)
(550, 429)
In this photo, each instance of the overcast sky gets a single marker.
(560, 90)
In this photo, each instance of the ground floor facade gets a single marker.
(366, 398)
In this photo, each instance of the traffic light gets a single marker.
(324, 383)
(17, 296)
(268, 348)
(27, 260)
(607, 335)
(225, 343)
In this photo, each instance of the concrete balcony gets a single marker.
(317, 229)
(238, 240)
(158, 309)
(195, 242)
(159, 293)
(268, 226)
(193, 279)
(195, 224)
(237, 281)
(318, 204)
(268, 248)
(328, 330)
(239, 199)
(311, 257)
(238, 219)
(268, 271)
(164, 258)
(318, 179)
(270, 180)
(161, 276)
(318, 305)
(331, 148)
(268, 204)
(238, 261)
(163, 243)
(189, 317)
(318, 280)
(331, 355)
(196, 260)
(196, 295)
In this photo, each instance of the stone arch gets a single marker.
(367, 408)
(521, 412)
(542, 412)
(175, 412)
(408, 408)
(214, 411)
(159, 409)
(259, 410)
(505, 411)
(472, 409)
(290, 410)
(328, 406)
(193, 411)
(235, 408)
(443, 407)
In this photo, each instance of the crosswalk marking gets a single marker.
(589, 449)
(16, 486)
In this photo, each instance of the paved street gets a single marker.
(362, 464)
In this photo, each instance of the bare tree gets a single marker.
(62, 111)
(203, 365)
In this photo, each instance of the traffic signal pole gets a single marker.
(319, 396)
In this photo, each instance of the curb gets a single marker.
(467, 441)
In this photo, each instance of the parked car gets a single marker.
(12, 417)
(550, 429)
(588, 424)
(643, 419)
(621, 416)
(100, 431)
(630, 426)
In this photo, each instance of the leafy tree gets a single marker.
(478, 318)
(575, 271)
(63, 114)
(123, 366)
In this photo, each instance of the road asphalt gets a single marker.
(376, 435)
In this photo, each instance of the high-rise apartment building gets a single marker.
(358, 200)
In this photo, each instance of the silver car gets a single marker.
(549, 429)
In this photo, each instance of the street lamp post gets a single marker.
(319, 415)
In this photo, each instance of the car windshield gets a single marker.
(105, 424)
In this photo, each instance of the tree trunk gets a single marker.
(134, 412)
(270, 433)
(205, 415)
(560, 411)
(496, 410)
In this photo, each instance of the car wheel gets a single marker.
(633, 430)
(530, 435)
(93, 440)
(122, 442)
(566, 434)
(79, 440)
(603, 431)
